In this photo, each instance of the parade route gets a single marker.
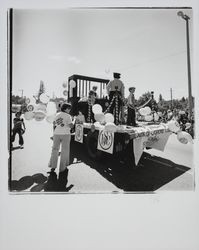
(157, 171)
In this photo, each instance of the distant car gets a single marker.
(16, 108)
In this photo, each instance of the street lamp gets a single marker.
(187, 18)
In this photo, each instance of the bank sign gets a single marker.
(105, 141)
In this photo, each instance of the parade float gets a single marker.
(107, 133)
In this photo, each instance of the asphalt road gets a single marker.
(157, 171)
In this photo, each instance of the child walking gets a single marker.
(17, 129)
(61, 137)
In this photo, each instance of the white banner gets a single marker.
(79, 133)
(105, 141)
(158, 142)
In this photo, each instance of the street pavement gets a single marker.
(157, 171)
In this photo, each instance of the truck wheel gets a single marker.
(91, 144)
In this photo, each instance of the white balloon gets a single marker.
(156, 117)
(97, 108)
(51, 108)
(29, 115)
(100, 117)
(109, 117)
(39, 115)
(147, 110)
(50, 118)
(72, 84)
(44, 98)
(30, 107)
(111, 127)
(143, 111)
(184, 137)
(173, 126)
(64, 85)
(65, 92)
(27, 101)
(188, 125)
(148, 118)
(41, 106)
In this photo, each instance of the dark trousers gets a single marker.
(19, 132)
(131, 117)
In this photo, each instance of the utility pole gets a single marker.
(187, 18)
(171, 98)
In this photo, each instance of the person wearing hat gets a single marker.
(131, 108)
(62, 125)
(115, 87)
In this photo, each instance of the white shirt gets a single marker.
(61, 121)
(115, 83)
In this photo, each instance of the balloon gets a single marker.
(27, 101)
(188, 125)
(51, 108)
(148, 118)
(44, 98)
(50, 118)
(41, 106)
(147, 110)
(72, 84)
(29, 115)
(39, 115)
(109, 117)
(65, 92)
(111, 127)
(181, 112)
(97, 108)
(30, 107)
(100, 117)
(143, 111)
(173, 126)
(64, 85)
(184, 137)
(156, 117)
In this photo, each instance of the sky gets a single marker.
(147, 46)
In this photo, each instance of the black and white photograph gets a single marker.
(101, 100)
(99, 125)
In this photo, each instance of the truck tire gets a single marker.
(91, 145)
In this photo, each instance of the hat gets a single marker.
(131, 88)
(116, 75)
(65, 106)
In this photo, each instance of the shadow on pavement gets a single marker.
(42, 183)
(152, 171)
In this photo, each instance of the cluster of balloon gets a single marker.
(64, 85)
(101, 118)
(182, 136)
(145, 111)
(31, 106)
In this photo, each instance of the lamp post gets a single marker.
(187, 18)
